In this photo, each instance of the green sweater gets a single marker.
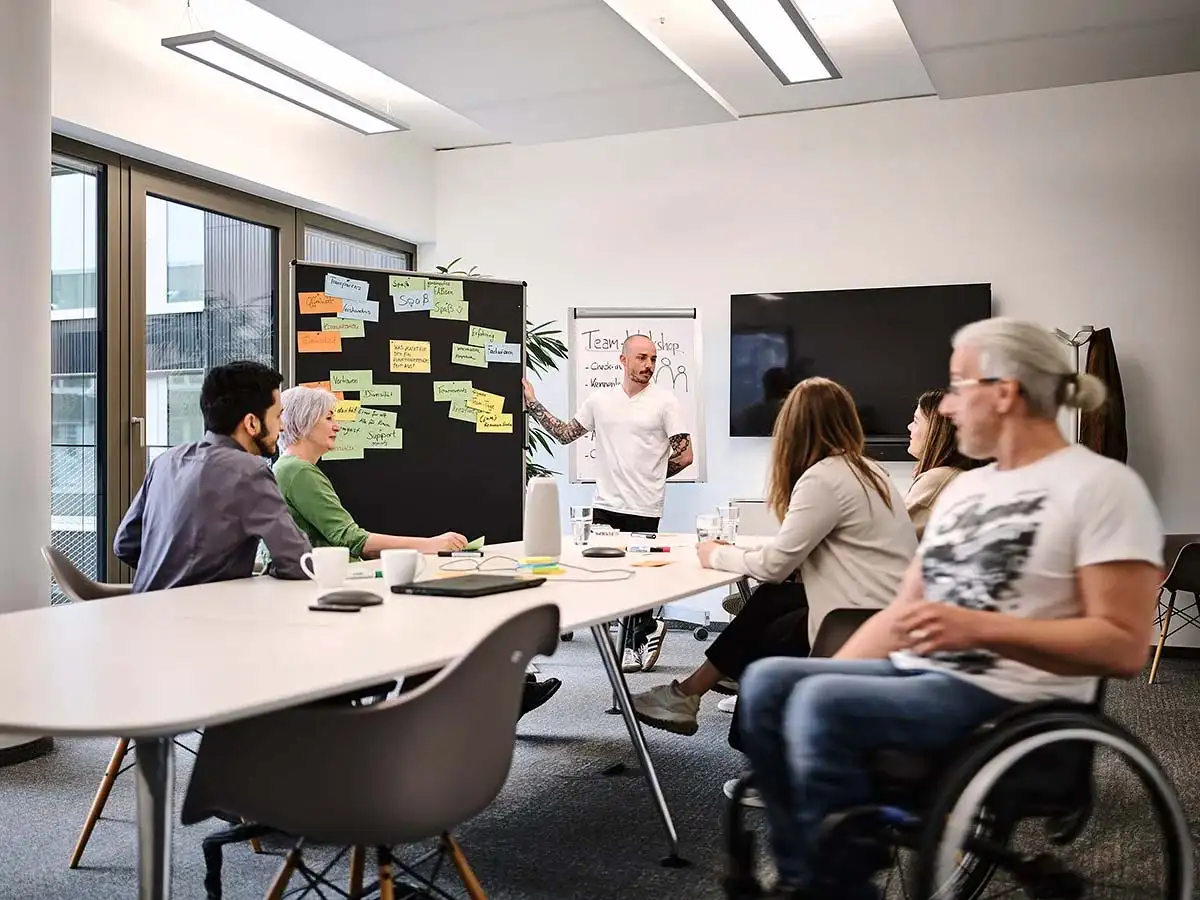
(315, 506)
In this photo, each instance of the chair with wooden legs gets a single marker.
(1183, 578)
(375, 777)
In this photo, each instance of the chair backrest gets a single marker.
(74, 583)
(1185, 571)
(394, 772)
(837, 627)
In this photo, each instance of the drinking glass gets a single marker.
(581, 525)
(729, 522)
(708, 527)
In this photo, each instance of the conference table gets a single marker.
(156, 665)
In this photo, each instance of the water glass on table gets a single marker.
(581, 525)
(729, 523)
(708, 527)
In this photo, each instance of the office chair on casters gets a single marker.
(1184, 577)
(401, 771)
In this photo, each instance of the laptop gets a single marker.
(474, 585)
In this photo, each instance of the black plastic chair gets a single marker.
(1184, 577)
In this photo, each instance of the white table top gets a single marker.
(166, 662)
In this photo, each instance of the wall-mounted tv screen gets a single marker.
(887, 346)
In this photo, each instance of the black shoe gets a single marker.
(537, 692)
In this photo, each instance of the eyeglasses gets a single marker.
(957, 384)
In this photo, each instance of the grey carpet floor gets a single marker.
(560, 828)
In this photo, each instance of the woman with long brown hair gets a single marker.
(844, 531)
(933, 443)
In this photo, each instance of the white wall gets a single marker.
(116, 86)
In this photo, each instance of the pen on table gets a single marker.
(358, 575)
(460, 553)
(660, 549)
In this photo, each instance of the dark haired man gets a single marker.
(204, 507)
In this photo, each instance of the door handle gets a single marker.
(140, 424)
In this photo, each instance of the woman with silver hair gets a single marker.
(307, 432)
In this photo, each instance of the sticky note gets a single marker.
(350, 379)
(446, 290)
(476, 544)
(489, 423)
(380, 437)
(314, 302)
(347, 328)
(485, 402)
(364, 310)
(403, 284)
(466, 355)
(346, 288)
(504, 353)
(346, 410)
(318, 342)
(449, 308)
(380, 395)
(352, 436)
(409, 356)
(319, 385)
(352, 453)
(460, 411)
(452, 390)
(412, 301)
(369, 417)
(479, 336)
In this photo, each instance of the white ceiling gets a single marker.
(529, 71)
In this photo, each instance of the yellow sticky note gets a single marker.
(380, 437)
(318, 302)
(350, 379)
(347, 328)
(485, 402)
(466, 355)
(449, 308)
(445, 290)
(404, 284)
(346, 410)
(351, 436)
(380, 395)
(479, 336)
(452, 390)
(460, 411)
(376, 417)
(409, 356)
(489, 423)
(318, 342)
(352, 453)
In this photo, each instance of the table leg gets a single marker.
(155, 775)
(612, 667)
(622, 635)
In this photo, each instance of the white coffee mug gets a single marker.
(401, 566)
(326, 566)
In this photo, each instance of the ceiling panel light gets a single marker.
(779, 34)
(227, 55)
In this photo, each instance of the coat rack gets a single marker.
(1076, 342)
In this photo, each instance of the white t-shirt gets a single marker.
(633, 441)
(1011, 541)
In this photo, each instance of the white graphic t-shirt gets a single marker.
(1011, 541)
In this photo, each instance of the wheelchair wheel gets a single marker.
(979, 782)
(972, 873)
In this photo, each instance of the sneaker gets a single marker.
(631, 660)
(726, 686)
(668, 708)
(653, 645)
(537, 692)
(729, 704)
(751, 797)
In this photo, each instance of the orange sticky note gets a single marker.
(323, 386)
(319, 341)
(314, 302)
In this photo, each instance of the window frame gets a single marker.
(306, 219)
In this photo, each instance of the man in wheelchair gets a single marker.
(1036, 577)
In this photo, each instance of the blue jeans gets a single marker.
(807, 725)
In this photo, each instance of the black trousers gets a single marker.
(642, 624)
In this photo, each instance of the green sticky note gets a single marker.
(404, 284)
(380, 437)
(347, 328)
(452, 390)
(463, 413)
(445, 290)
(476, 544)
(351, 436)
(350, 379)
(356, 453)
(381, 394)
(481, 337)
(449, 308)
(374, 418)
(466, 355)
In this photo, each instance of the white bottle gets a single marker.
(542, 536)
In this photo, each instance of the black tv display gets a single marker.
(885, 345)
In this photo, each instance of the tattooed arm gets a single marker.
(563, 432)
(681, 454)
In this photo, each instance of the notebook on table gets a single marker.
(473, 585)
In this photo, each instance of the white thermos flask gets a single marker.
(542, 536)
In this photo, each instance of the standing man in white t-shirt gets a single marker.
(641, 441)
(1036, 576)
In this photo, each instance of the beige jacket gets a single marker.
(924, 491)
